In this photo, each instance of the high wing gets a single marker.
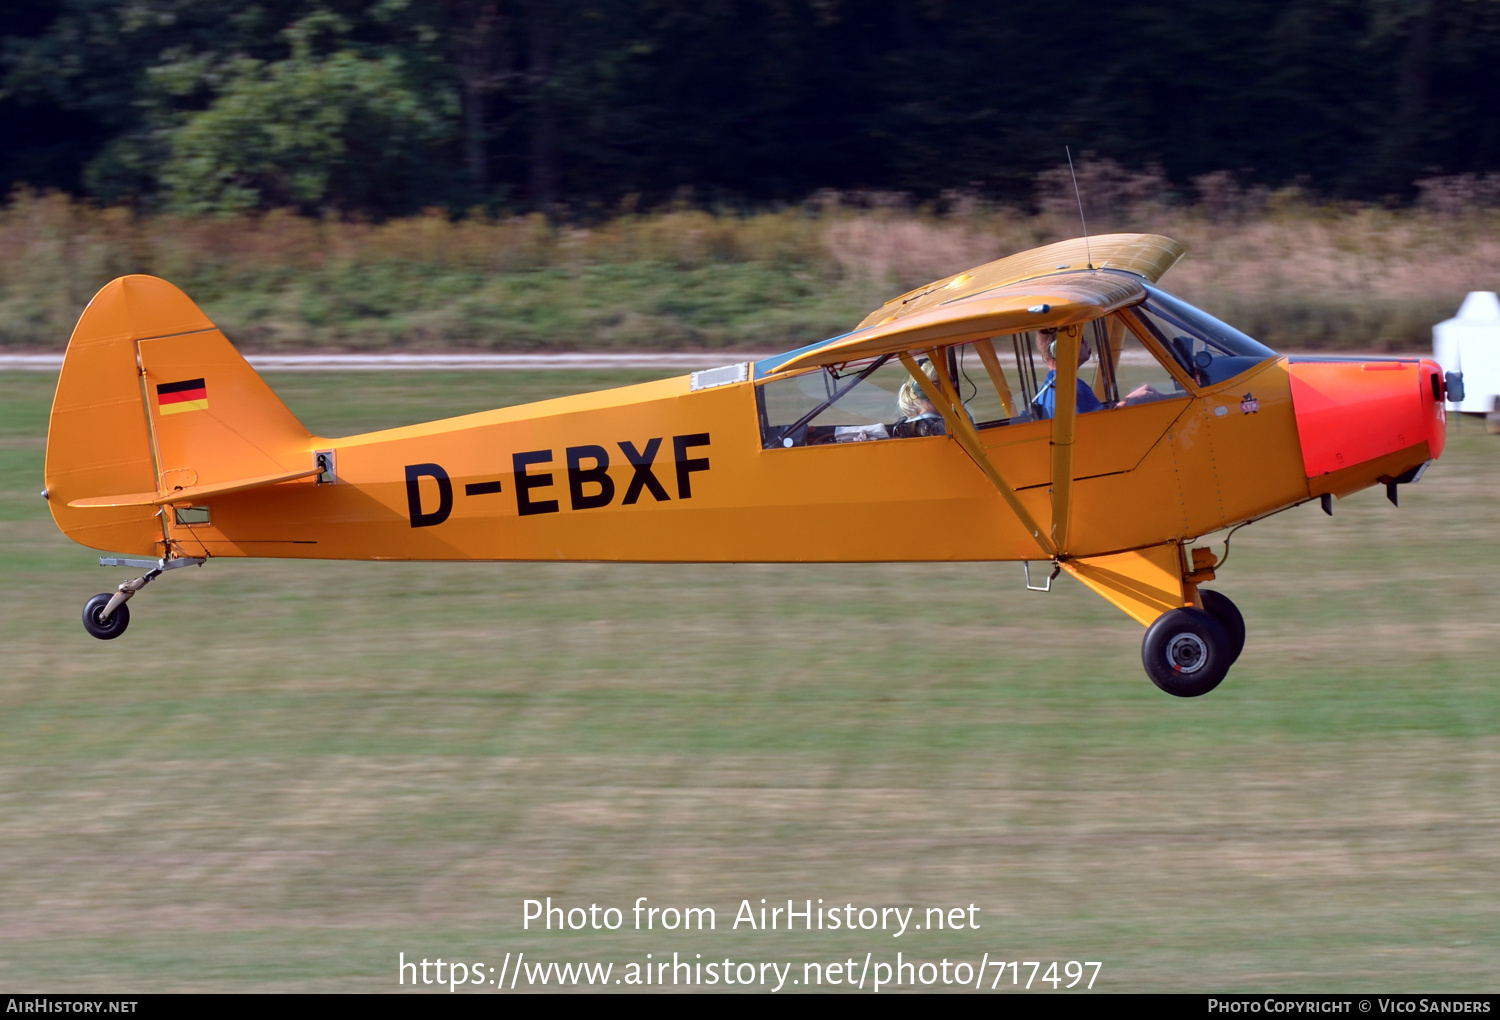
(1060, 300)
(1146, 255)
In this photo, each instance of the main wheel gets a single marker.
(1228, 614)
(104, 630)
(1186, 652)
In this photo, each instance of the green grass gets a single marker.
(288, 773)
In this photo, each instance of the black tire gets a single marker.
(1186, 652)
(105, 630)
(1228, 614)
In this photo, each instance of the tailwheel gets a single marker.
(1228, 614)
(1187, 652)
(105, 627)
(105, 616)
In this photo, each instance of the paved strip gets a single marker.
(684, 362)
(693, 361)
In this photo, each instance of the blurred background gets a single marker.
(289, 772)
(742, 173)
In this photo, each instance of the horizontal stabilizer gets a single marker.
(193, 493)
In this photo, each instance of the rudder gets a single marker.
(153, 398)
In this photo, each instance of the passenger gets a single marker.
(918, 415)
(1044, 404)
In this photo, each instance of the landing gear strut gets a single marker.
(105, 616)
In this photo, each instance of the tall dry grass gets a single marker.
(1295, 273)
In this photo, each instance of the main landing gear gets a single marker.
(105, 616)
(1187, 651)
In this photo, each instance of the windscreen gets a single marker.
(1212, 351)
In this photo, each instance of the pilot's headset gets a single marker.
(1087, 351)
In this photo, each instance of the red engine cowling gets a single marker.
(1349, 412)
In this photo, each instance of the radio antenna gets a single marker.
(1088, 253)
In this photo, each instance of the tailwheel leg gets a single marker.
(105, 616)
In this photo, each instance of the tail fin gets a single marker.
(152, 400)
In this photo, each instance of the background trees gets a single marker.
(380, 108)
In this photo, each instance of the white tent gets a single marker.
(1470, 343)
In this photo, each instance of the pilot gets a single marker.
(1044, 404)
(918, 416)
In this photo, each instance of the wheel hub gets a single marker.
(1187, 653)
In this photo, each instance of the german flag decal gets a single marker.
(188, 395)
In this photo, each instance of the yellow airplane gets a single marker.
(1052, 407)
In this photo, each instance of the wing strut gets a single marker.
(960, 429)
(986, 349)
(1064, 430)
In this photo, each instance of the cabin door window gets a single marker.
(1014, 384)
(1140, 376)
(853, 403)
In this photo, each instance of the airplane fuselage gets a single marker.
(656, 472)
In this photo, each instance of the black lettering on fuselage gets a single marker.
(685, 467)
(644, 477)
(414, 473)
(579, 476)
(525, 505)
(581, 479)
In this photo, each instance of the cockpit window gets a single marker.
(1207, 349)
(998, 386)
(849, 404)
(999, 381)
(1138, 376)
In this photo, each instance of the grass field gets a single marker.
(288, 773)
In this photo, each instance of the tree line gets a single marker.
(383, 107)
